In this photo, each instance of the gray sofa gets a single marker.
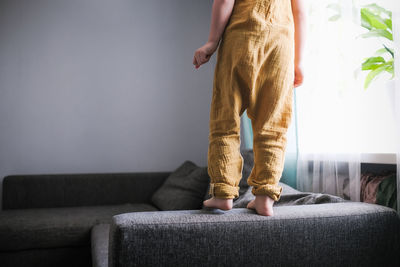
(111, 219)
(47, 219)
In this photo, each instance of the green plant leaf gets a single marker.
(389, 50)
(371, 76)
(390, 69)
(388, 22)
(378, 9)
(378, 21)
(372, 63)
(380, 51)
(365, 22)
(378, 33)
(388, 66)
(374, 20)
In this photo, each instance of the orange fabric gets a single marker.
(254, 71)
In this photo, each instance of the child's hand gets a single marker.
(204, 53)
(298, 75)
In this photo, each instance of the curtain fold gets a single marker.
(329, 156)
(340, 121)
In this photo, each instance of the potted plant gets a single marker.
(378, 21)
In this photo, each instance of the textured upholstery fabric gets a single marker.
(183, 189)
(312, 235)
(56, 227)
(335, 234)
(99, 243)
(88, 189)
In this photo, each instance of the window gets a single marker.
(335, 113)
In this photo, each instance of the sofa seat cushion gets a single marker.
(56, 227)
(47, 257)
(99, 243)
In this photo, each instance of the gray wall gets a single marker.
(102, 85)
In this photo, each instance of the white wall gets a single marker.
(102, 85)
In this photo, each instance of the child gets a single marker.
(258, 66)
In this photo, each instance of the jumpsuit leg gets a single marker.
(225, 163)
(254, 71)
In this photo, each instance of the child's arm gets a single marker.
(221, 12)
(299, 22)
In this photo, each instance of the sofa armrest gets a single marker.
(82, 189)
(334, 234)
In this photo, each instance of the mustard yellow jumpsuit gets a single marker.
(254, 71)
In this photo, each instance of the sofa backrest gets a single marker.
(82, 189)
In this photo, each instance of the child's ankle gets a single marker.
(223, 199)
(264, 197)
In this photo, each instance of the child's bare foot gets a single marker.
(262, 204)
(219, 203)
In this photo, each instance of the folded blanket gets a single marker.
(291, 196)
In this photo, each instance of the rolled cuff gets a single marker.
(221, 190)
(273, 191)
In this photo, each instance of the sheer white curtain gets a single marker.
(340, 123)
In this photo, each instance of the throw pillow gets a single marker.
(183, 189)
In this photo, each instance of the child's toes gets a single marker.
(250, 205)
(206, 203)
